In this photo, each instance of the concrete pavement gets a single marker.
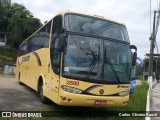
(155, 100)
(15, 97)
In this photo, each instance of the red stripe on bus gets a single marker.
(37, 58)
(91, 88)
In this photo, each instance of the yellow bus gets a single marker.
(78, 59)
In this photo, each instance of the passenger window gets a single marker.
(40, 39)
(23, 49)
(31, 44)
(46, 42)
(44, 35)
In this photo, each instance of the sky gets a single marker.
(135, 14)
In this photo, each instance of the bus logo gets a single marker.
(6, 114)
(101, 91)
(122, 86)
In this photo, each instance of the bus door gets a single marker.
(55, 55)
(55, 63)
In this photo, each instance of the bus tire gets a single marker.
(20, 83)
(43, 99)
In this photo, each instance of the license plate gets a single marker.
(100, 102)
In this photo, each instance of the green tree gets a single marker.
(21, 24)
(4, 14)
(30, 26)
(139, 70)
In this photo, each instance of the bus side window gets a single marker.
(31, 44)
(40, 39)
(23, 49)
(56, 57)
(44, 35)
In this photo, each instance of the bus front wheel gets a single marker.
(43, 99)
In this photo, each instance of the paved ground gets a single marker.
(155, 101)
(15, 97)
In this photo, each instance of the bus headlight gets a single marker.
(125, 93)
(71, 89)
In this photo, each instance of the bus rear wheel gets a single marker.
(43, 99)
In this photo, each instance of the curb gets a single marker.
(151, 83)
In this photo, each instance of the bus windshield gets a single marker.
(95, 26)
(84, 57)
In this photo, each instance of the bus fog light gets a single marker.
(71, 89)
(125, 93)
(64, 98)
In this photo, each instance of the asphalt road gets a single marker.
(15, 97)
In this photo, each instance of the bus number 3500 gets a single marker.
(70, 82)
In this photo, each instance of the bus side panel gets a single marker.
(17, 69)
(21, 69)
(32, 65)
(52, 86)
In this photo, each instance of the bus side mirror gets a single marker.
(61, 43)
(134, 58)
(133, 47)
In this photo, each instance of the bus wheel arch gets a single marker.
(40, 90)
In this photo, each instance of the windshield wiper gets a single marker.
(95, 60)
(86, 53)
(111, 65)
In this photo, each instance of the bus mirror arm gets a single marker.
(64, 31)
(133, 47)
(134, 57)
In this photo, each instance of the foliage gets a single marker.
(4, 14)
(17, 21)
(139, 70)
(8, 55)
(22, 24)
(156, 65)
(140, 77)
